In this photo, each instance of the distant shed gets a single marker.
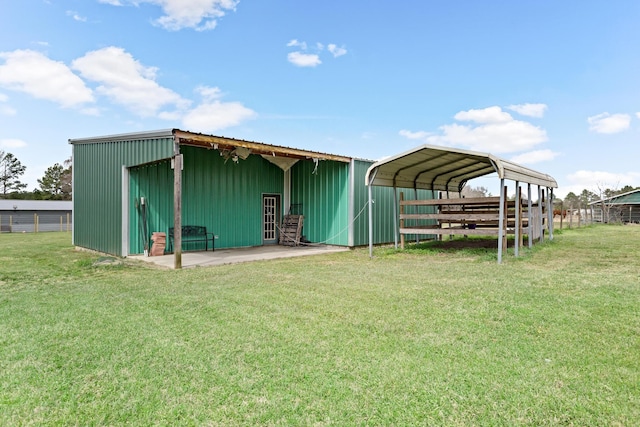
(623, 208)
(17, 216)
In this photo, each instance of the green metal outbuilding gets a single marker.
(126, 188)
(623, 208)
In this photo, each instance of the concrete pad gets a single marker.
(238, 255)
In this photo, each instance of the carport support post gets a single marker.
(518, 225)
(177, 211)
(550, 212)
(395, 216)
(540, 201)
(417, 208)
(530, 217)
(373, 177)
(501, 220)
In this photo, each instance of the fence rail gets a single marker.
(35, 223)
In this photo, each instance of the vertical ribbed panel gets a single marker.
(383, 208)
(324, 195)
(224, 197)
(227, 197)
(154, 182)
(97, 197)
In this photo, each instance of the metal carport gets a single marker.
(438, 168)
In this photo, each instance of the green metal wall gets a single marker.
(97, 192)
(332, 211)
(323, 193)
(383, 208)
(154, 182)
(224, 197)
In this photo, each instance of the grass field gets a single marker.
(425, 336)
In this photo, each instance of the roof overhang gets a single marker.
(629, 198)
(447, 169)
(221, 143)
(215, 142)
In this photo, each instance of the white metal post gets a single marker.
(517, 225)
(395, 217)
(501, 220)
(550, 212)
(530, 217)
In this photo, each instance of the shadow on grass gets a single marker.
(479, 247)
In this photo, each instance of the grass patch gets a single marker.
(416, 337)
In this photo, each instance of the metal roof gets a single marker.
(447, 169)
(35, 205)
(214, 142)
(628, 198)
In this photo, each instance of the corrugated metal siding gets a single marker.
(626, 199)
(383, 208)
(97, 192)
(224, 197)
(154, 182)
(324, 195)
(227, 197)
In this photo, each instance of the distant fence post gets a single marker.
(68, 219)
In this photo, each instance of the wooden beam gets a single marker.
(177, 211)
(208, 141)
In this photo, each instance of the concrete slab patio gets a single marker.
(238, 255)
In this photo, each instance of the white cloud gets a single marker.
(212, 116)
(304, 59)
(200, 15)
(609, 123)
(12, 143)
(536, 156)
(209, 93)
(530, 110)
(420, 135)
(485, 115)
(336, 51)
(127, 82)
(494, 131)
(33, 73)
(638, 115)
(76, 16)
(296, 43)
(301, 58)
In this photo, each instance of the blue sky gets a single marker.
(553, 85)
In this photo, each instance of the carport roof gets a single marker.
(447, 169)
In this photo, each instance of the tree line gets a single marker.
(55, 184)
(587, 196)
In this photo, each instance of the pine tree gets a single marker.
(10, 171)
(56, 183)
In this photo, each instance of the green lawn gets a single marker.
(420, 337)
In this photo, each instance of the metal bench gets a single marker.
(194, 233)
